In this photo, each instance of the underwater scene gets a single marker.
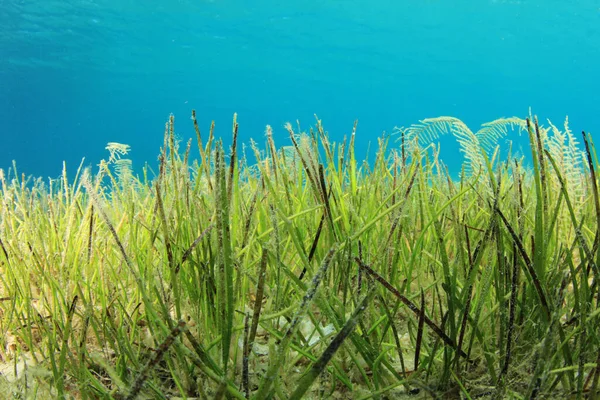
(226, 199)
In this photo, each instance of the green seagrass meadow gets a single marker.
(306, 273)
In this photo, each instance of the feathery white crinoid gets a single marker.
(123, 169)
(473, 145)
(564, 149)
(290, 156)
(491, 132)
(430, 129)
(116, 150)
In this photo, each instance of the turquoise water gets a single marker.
(77, 74)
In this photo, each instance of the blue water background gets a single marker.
(76, 74)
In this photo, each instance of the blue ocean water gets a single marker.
(76, 74)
